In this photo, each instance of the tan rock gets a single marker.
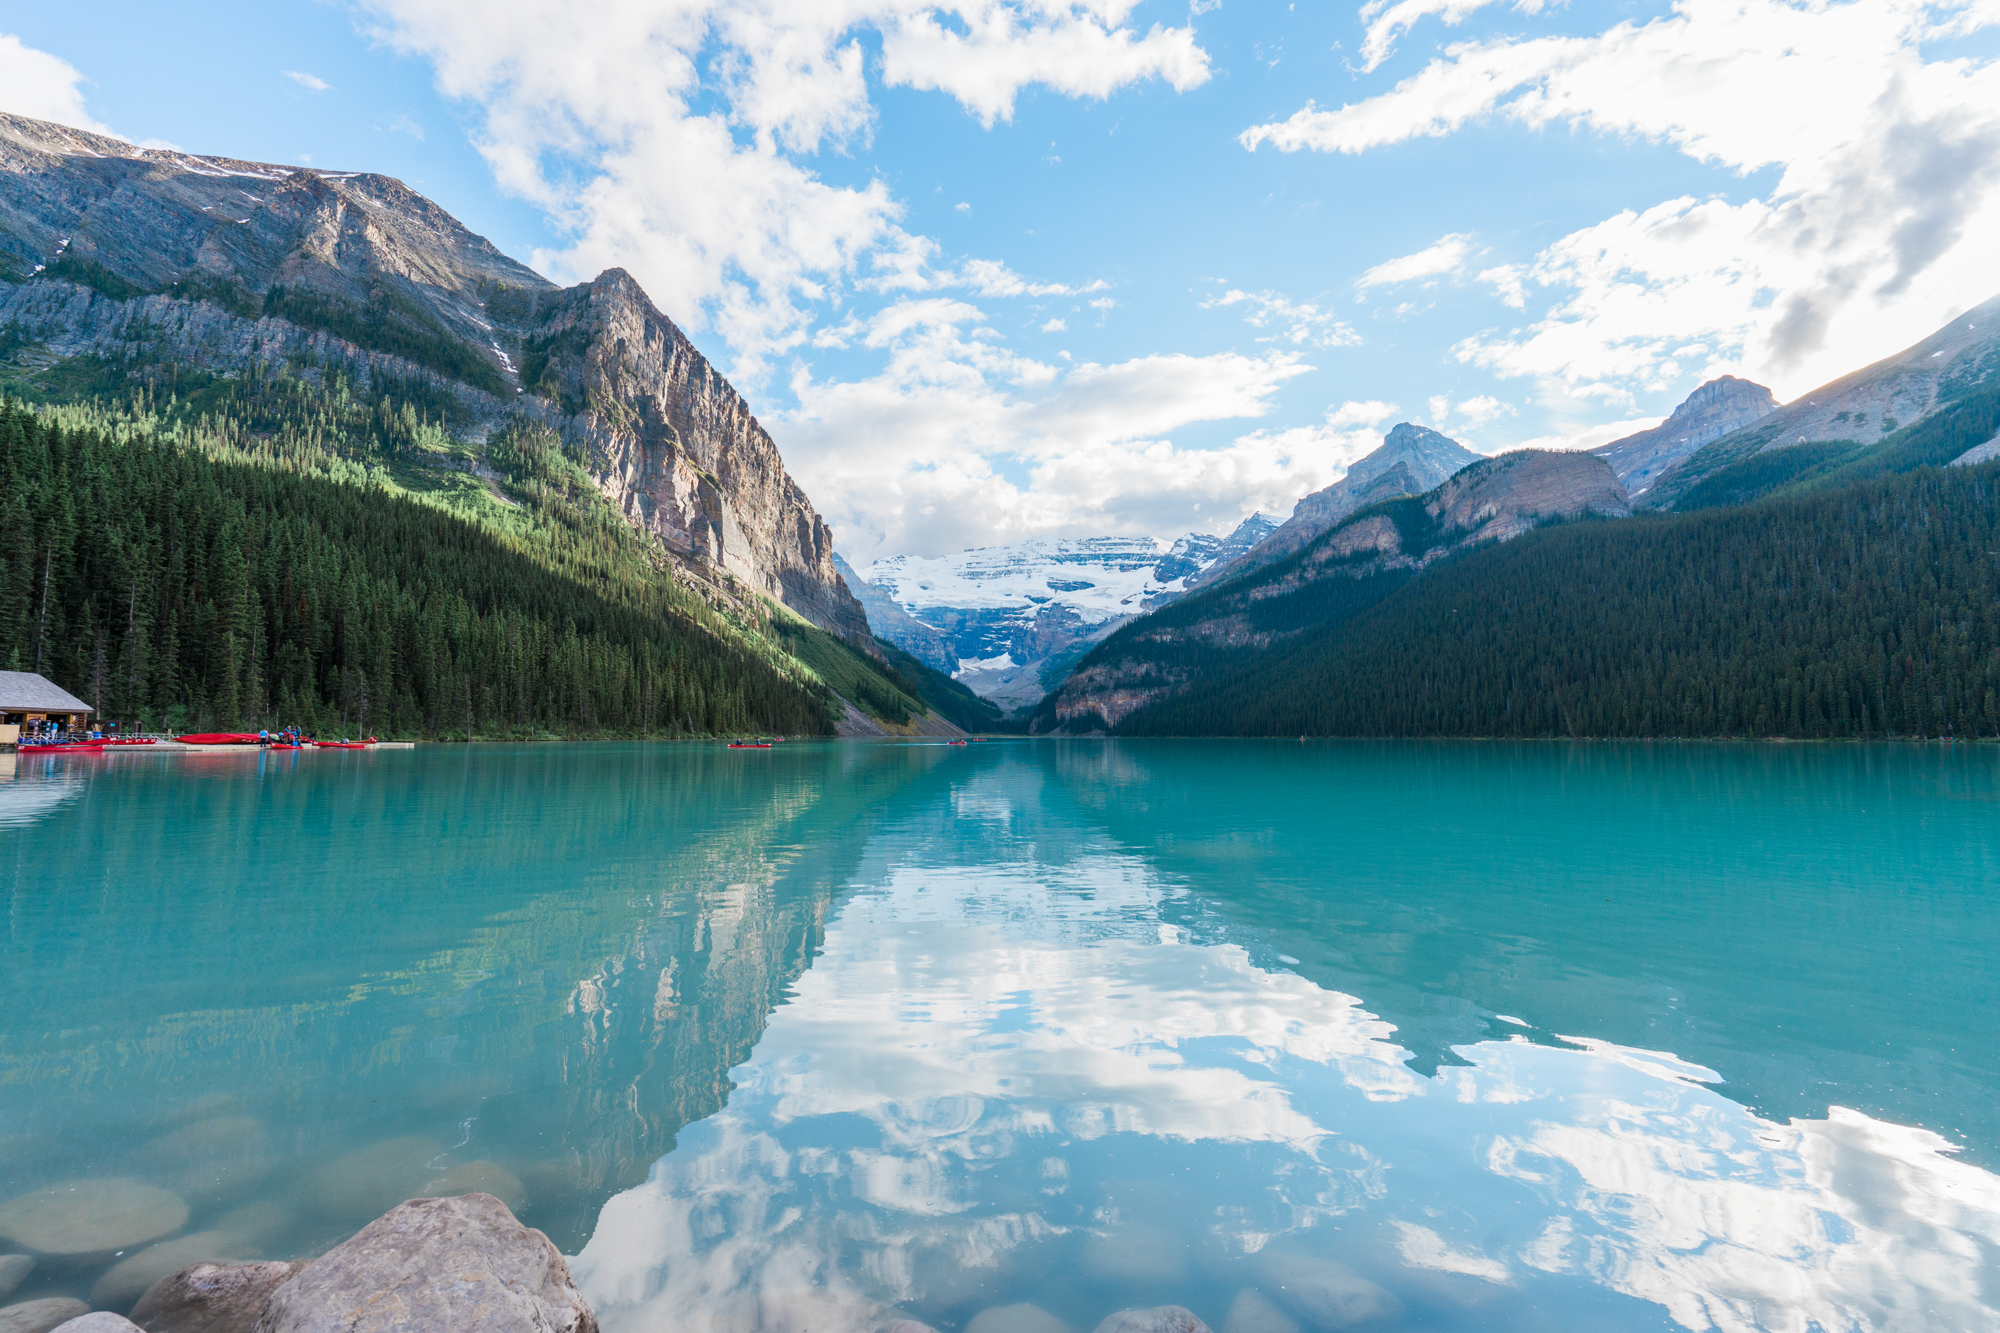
(435, 1264)
(212, 1298)
(374, 1179)
(209, 1157)
(40, 1316)
(90, 1216)
(100, 1321)
(14, 1270)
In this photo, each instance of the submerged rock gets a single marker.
(99, 1321)
(14, 1270)
(1159, 1319)
(1023, 1318)
(1252, 1312)
(1140, 1254)
(478, 1178)
(908, 1326)
(254, 1226)
(89, 1216)
(372, 1180)
(1323, 1295)
(209, 1157)
(212, 1298)
(433, 1264)
(127, 1280)
(40, 1316)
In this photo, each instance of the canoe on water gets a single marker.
(93, 747)
(219, 738)
(749, 745)
(340, 745)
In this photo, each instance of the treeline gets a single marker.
(1869, 611)
(176, 587)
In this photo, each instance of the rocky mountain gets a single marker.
(221, 266)
(1366, 554)
(1005, 620)
(1715, 409)
(1860, 409)
(1411, 460)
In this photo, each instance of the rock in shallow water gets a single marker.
(212, 1298)
(101, 1321)
(14, 1270)
(127, 1280)
(89, 1216)
(1023, 1318)
(371, 1180)
(434, 1264)
(40, 1316)
(209, 1157)
(1252, 1312)
(478, 1178)
(1323, 1295)
(1159, 1319)
(1140, 1254)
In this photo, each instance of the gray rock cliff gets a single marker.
(1714, 410)
(220, 264)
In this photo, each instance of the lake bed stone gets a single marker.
(1159, 1319)
(1253, 1312)
(14, 1270)
(369, 1181)
(1140, 1254)
(212, 1298)
(1022, 1318)
(128, 1279)
(40, 1316)
(209, 1157)
(434, 1264)
(1324, 1295)
(99, 1321)
(91, 1216)
(908, 1326)
(479, 1178)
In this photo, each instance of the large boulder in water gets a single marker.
(128, 1279)
(212, 1298)
(14, 1270)
(431, 1264)
(102, 1321)
(91, 1216)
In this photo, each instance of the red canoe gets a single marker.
(340, 745)
(747, 745)
(91, 747)
(220, 738)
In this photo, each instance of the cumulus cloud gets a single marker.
(35, 83)
(1445, 257)
(1888, 184)
(605, 123)
(959, 441)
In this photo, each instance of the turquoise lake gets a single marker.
(813, 1039)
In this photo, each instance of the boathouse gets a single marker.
(28, 702)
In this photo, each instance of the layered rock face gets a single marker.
(1960, 359)
(1412, 459)
(220, 264)
(1709, 413)
(1494, 499)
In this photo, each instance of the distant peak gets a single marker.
(1725, 390)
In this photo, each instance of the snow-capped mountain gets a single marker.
(1008, 620)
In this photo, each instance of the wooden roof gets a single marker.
(26, 692)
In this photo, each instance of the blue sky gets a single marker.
(1028, 268)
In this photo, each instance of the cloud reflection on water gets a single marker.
(1021, 1085)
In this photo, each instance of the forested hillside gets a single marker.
(1870, 610)
(263, 550)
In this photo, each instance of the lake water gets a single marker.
(808, 1040)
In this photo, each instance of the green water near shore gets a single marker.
(1524, 1036)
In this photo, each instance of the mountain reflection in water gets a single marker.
(863, 1032)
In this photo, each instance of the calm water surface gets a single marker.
(816, 1038)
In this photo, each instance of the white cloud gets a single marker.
(960, 442)
(1386, 21)
(1876, 231)
(1301, 324)
(765, 240)
(1055, 326)
(963, 207)
(403, 124)
(310, 82)
(1446, 256)
(35, 83)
